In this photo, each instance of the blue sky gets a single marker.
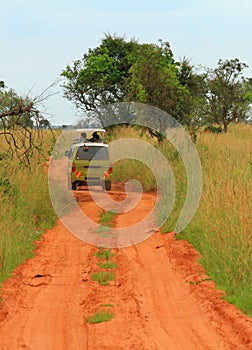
(39, 38)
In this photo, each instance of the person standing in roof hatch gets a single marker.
(95, 137)
(83, 136)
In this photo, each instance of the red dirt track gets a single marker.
(161, 297)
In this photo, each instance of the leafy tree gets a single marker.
(227, 93)
(153, 78)
(99, 77)
(192, 103)
(121, 71)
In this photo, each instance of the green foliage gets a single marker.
(192, 102)
(227, 93)
(127, 169)
(25, 211)
(15, 110)
(99, 78)
(7, 188)
(107, 218)
(101, 316)
(154, 78)
(104, 254)
(221, 228)
(213, 129)
(107, 265)
(242, 300)
(102, 277)
(119, 70)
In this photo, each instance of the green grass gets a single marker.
(104, 254)
(25, 212)
(107, 218)
(127, 169)
(102, 277)
(221, 229)
(25, 206)
(101, 316)
(107, 265)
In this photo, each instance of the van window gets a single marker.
(97, 152)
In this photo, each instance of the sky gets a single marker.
(39, 38)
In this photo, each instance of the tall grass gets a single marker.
(126, 169)
(221, 230)
(25, 210)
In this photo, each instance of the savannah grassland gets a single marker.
(25, 206)
(221, 229)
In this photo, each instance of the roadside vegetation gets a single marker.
(221, 229)
(217, 100)
(103, 277)
(214, 106)
(105, 274)
(120, 70)
(107, 218)
(25, 207)
(100, 316)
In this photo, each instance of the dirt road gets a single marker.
(161, 298)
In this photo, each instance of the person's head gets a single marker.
(83, 135)
(95, 135)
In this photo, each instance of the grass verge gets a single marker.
(107, 265)
(103, 277)
(221, 229)
(101, 316)
(104, 254)
(25, 212)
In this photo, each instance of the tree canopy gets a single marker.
(127, 71)
(227, 94)
(99, 78)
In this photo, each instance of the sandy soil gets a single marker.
(161, 297)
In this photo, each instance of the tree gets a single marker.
(99, 77)
(227, 93)
(18, 115)
(122, 71)
(153, 79)
(192, 103)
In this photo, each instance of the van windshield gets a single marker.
(88, 153)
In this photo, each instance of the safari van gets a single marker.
(88, 161)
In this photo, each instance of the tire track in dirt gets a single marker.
(43, 312)
(161, 298)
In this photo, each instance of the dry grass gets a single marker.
(25, 207)
(222, 227)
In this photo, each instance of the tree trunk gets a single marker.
(225, 126)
